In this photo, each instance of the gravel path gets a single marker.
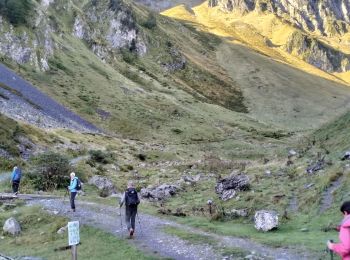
(152, 238)
(25, 102)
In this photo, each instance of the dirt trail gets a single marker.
(327, 195)
(152, 238)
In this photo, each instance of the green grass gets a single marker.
(39, 238)
(192, 238)
(287, 235)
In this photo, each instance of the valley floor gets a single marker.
(166, 238)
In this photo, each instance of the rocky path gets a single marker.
(327, 195)
(152, 238)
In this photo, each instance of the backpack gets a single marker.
(131, 197)
(78, 187)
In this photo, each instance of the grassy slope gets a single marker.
(39, 238)
(171, 109)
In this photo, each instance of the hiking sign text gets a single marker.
(73, 233)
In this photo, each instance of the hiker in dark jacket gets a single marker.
(131, 200)
(73, 190)
(16, 179)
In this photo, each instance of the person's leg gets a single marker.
(72, 202)
(127, 217)
(133, 216)
(15, 186)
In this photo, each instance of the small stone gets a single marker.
(62, 230)
(304, 230)
(292, 152)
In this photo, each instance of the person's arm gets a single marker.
(343, 247)
(13, 176)
(122, 200)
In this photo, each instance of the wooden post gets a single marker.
(74, 252)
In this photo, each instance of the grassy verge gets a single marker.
(39, 238)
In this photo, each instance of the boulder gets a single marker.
(228, 187)
(346, 156)
(105, 185)
(317, 166)
(266, 220)
(159, 193)
(190, 180)
(12, 227)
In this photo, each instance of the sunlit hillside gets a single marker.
(263, 32)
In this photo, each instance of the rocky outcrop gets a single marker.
(159, 193)
(12, 227)
(105, 186)
(325, 17)
(108, 28)
(317, 53)
(266, 220)
(227, 188)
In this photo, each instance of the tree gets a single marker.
(16, 11)
(51, 171)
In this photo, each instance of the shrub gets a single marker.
(50, 171)
(151, 22)
(101, 157)
(17, 12)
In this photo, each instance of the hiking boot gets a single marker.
(131, 232)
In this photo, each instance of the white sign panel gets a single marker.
(73, 233)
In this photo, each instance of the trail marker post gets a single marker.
(73, 237)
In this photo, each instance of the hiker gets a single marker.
(343, 248)
(73, 189)
(131, 200)
(16, 179)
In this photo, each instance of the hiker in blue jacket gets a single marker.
(16, 179)
(73, 190)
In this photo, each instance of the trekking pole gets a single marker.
(121, 221)
(330, 251)
(138, 218)
(65, 193)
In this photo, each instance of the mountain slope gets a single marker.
(295, 32)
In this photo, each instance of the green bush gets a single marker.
(16, 11)
(100, 157)
(151, 22)
(50, 171)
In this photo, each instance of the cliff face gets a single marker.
(312, 20)
(326, 17)
(106, 26)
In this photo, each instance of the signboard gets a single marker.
(73, 233)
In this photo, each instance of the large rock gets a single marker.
(12, 227)
(317, 166)
(159, 193)
(228, 187)
(103, 184)
(266, 220)
(346, 156)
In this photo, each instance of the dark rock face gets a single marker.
(227, 188)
